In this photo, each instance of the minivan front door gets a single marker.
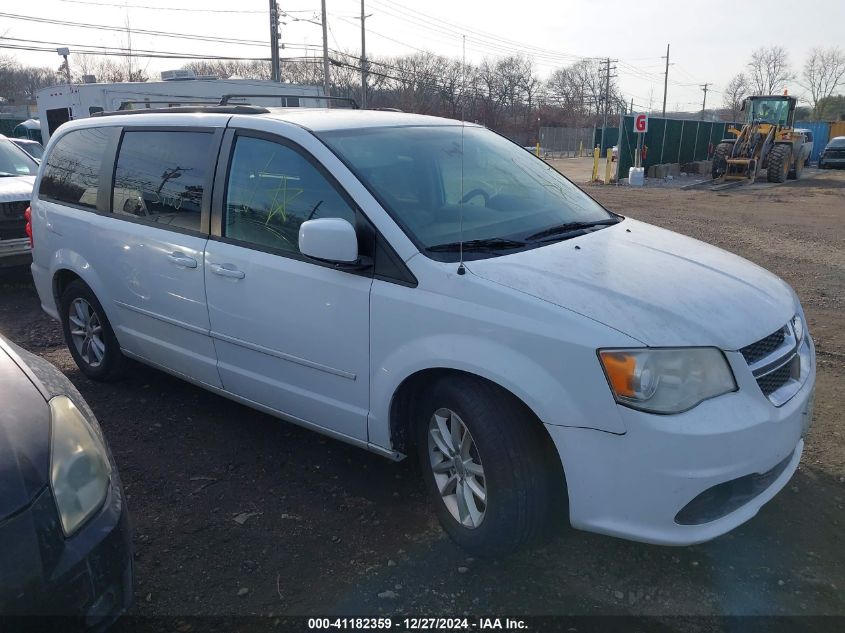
(291, 334)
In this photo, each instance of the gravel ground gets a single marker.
(236, 513)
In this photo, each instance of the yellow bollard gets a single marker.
(538, 148)
(609, 167)
(596, 155)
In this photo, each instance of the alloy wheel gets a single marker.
(456, 465)
(86, 332)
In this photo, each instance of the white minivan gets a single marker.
(411, 284)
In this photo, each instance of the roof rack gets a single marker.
(212, 109)
(128, 102)
(224, 100)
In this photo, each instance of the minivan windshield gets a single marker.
(14, 161)
(446, 186)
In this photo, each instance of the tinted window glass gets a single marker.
(160, 177)
(272, 190)
(72, 172)
(443, 183)
(14, 161)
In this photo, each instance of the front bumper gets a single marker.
(88, 577)
(635, 485)
(832, 162)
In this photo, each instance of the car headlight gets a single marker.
(666, 380)
(798, 329)
(79, 465)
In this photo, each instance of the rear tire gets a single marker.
(720, 159)
(778, 165)
(502, 456)
(89, 335)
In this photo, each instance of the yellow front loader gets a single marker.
(766, 141)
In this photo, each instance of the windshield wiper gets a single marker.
(569, 227)
(491, 244)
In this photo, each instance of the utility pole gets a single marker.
(274, 41)
(327, 84)
(363, 57)
(704, 102)
(665, 81)
(65, 52)
(607, 70)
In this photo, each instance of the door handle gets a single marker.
(180, 259)
(224, 271)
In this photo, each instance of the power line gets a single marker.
(186, 9)
(44, 49)
(122, 29)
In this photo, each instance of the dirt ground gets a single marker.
(238, 513)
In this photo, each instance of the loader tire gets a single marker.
(720, 159)
(779, 161)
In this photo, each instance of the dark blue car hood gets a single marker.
(24, 434)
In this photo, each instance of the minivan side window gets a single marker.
(72, 171)
(272, 189)
(160, 177)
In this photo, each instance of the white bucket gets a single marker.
(636, 176)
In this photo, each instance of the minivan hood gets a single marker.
(15, 188)
(24, 438)
(659, 287)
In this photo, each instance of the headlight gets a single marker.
(666, 380)
(798, 328)
(79, 465)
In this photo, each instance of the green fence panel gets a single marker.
(702, 140)
(654, 141)
(611, 138)
(7, 125)
(688, 133)
(627, 147)
(671, 142)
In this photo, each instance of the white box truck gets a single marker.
(67, 102)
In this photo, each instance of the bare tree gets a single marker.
(823, 73)
(735, 92)
(768, 70)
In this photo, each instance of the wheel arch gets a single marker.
(413, 386)
(69, 266)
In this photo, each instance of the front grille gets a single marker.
(774, 361)
(762, 348)
(834, 153)
(12, 223)
(777, 379)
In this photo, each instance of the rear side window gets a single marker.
(72, 172)
(161, 176)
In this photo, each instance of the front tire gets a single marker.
(484, 464)
(720, 160)
(88, 334)
(777, 167)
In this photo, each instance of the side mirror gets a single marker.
(330, 240)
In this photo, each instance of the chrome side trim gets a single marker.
(282, 355)
(161, 317)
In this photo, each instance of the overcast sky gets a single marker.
(710, 41)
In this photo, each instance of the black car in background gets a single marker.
(833, 155)
(65, 542)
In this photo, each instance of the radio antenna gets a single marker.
(461, 268)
